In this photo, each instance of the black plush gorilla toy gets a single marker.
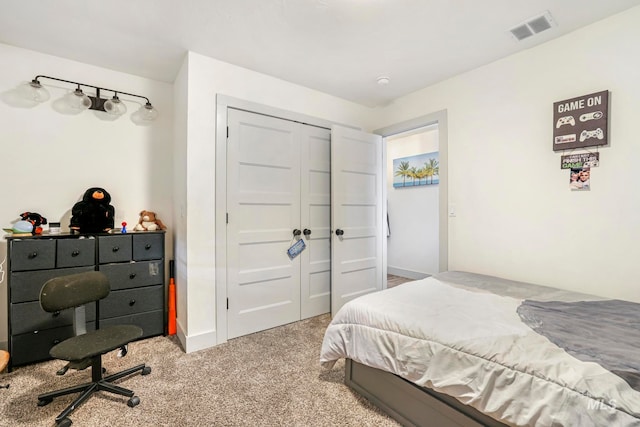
(93, 214)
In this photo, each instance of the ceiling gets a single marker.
(340, 47)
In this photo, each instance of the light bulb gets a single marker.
(114, 106)
(33, 91)
(145, 115)
(77, 100)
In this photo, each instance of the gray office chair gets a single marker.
(86, 348)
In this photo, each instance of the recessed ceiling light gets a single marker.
(383, 80)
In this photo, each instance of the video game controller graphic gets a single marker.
(566, 120)
(594, 115)
(586, 134)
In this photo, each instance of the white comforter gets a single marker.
(449, 335)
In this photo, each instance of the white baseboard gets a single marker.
(415, 275)
(195, 342)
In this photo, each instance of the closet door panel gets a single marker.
(315, 216)
(357, 215)
(263, 203)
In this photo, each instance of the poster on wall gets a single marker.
(580, 179)
(581, 122)
(580, 160)
(418, 170)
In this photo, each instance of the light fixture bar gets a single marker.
(98, 89)
(33, 92)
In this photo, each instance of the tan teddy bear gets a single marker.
(149, 222)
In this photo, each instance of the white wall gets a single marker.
(516, 217)
(412, 247)
(50, 159)
(181, 114)
(206, 78)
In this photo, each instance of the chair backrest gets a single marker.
(73, 290)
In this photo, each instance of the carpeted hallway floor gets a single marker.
(271, 378)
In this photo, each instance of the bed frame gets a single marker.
(410, 404)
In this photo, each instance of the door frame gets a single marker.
(223, 103)
(439, 118)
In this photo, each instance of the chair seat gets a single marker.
(95, 342)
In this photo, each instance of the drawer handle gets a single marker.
(147, 246)
(75, 253)
(56, 313)
(132, 302)
(115, 249)
(32, 255)
(132, 276)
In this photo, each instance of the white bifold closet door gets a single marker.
(278, 181)
(357, 215)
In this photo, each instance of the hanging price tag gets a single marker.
(296, 248)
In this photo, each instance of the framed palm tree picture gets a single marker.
(414, 171)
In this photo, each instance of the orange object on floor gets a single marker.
(4, 359)
(171, 328)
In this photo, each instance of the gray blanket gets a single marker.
(605, 332)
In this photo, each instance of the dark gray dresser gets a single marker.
(133, 262)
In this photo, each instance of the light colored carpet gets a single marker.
(393, 280)
(271, 378)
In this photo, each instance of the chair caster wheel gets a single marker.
(44, 402)
(146, 370)
(133, 401)
(65, 422)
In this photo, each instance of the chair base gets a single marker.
(97, 384)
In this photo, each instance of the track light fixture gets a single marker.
(77, 101)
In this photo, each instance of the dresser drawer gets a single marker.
(132, 301)
(148, 246)
(29, 316)
(34, 346)
(151, 322)
(114, 248)
(134, 274)
(36, 254)
(26, 285)
(76, 252)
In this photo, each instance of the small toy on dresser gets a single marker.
(35, 219)
(20, 228)
(149, 222)
(93, 214)
(28, 225)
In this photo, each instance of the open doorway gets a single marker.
(417, 242)
(412, 179)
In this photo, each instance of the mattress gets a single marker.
(521, 353)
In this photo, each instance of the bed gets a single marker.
(461, 349)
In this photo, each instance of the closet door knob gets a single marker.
(339, 232)
(306, 232)
(296, 232)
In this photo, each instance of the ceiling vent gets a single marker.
(532, 26)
